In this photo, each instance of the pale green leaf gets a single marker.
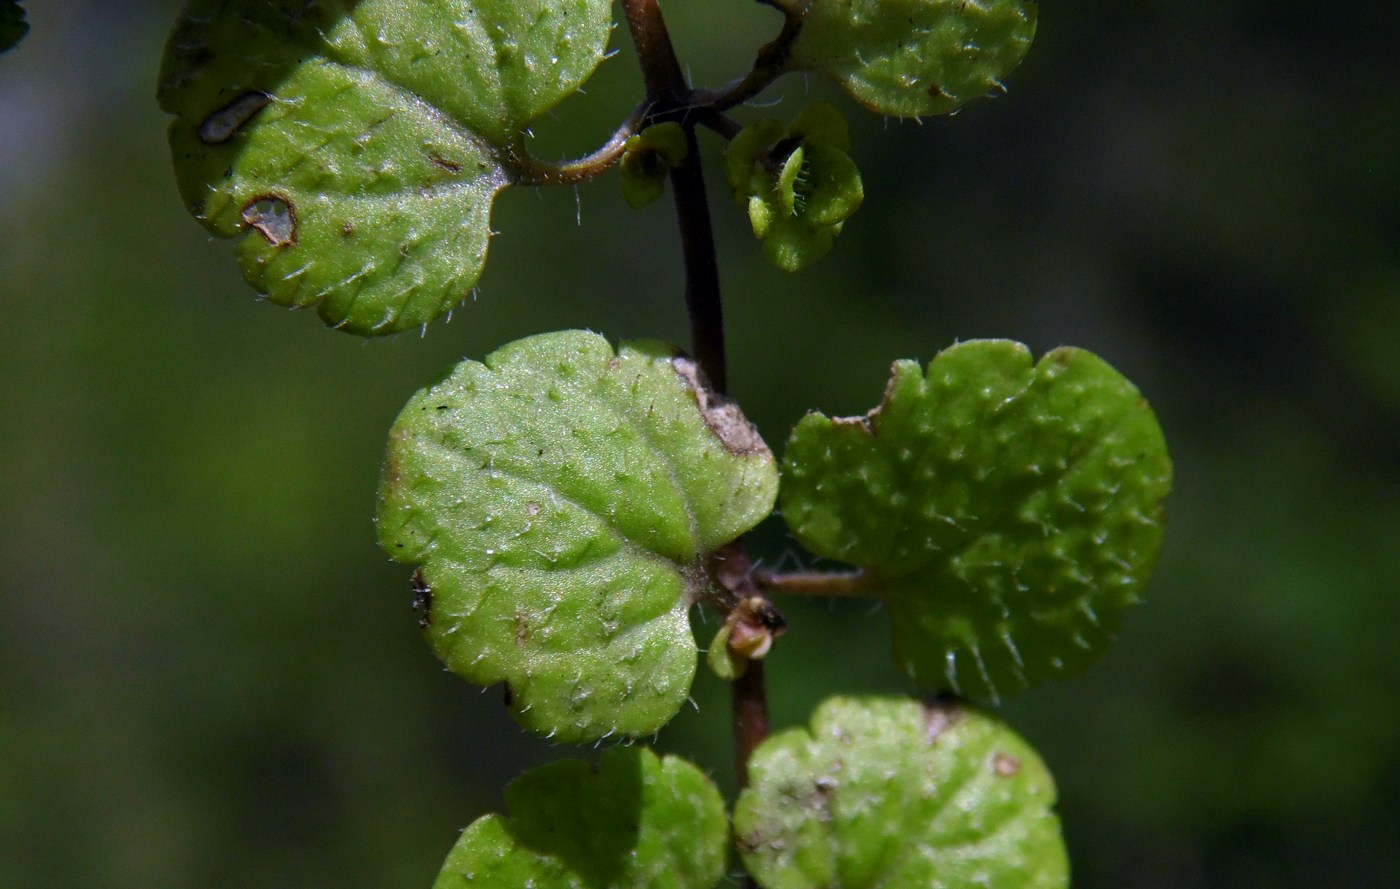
(914, 57)
(797, 182)
(648, 159)
(357, 146)
(1007, 511)
(560, 500)
(637, 823)
(885, 793)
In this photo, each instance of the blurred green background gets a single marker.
(210, 676)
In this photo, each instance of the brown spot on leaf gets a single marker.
(722, 415)
(867, 421)
(221, 125)
(522, 628)
(274, 217)
(450, 166)
(940, 715)
(1005, 765)
(422, 599)
(391, 472)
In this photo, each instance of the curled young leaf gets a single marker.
(886, 792)
(638, 821)
(797, 182)
(914, 57)
(561, 501)
(1007, 512)
(647, 159)
(357, 147)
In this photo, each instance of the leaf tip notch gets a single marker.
(1007, 511)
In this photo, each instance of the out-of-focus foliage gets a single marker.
(209, 675)
(636, 820)
(886, 791)
(13, 27)
(914, 57)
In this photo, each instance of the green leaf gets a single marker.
(358, 146)
(914, 57)
(638, 822)
(798, 184)
(648, 158)
(886, 792)
(13, 27)
(561, 501)
(1007, 512)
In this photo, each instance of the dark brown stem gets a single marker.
(749, 704)
(669, 97)
(667, 93)
(772, 63)
(661, 70)
(733, 573)
(702, 293)
(723, 124)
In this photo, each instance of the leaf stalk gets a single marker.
(815, 583)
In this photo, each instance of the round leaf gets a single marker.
(1007, 512)
(561, 501)
(889, 793)
(357, 146)
(914, 57)
(638, 822)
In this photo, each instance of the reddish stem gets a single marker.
(661, 70)
(670, 97)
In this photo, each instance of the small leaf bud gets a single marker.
(647, 159)
(797, 182)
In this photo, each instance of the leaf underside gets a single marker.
(560, 500)
(1006, 511)
(637, 822)
(909, 58)
(891, 793)
(357, 146)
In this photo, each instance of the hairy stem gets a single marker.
(535, 172)
(669, 96)
(771, 63)
(814, 583)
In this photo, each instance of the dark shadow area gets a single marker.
(586, 818)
